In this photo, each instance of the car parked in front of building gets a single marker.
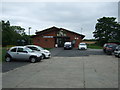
(107, 45)
(22, 53)
(82, 46)
(45, 53)
(67, 45)
(110, 48)
(117, 51)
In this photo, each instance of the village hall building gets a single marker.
(53, 36)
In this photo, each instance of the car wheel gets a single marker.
(8, 59)
(116, 56)
(108, 53)
(119, 55)
(32, 59)
(43, 56)
(104, 50)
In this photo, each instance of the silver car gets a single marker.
(22, 53)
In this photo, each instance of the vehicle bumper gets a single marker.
(67, 47)
(39, 58)
(116, 54)
(83, 48)
(48, 55)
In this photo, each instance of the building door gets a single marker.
(62, 40)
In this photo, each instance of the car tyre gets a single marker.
(8, 59)
(116, 56)
(33, 59)
(43, 56)
(119, 55)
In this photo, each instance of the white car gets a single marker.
(45, 53)
(82, 46)
(67, 45)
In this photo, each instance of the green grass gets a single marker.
(0, 54)
(94, 46)
(4, 49)
(3, 53)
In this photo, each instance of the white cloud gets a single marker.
(72, 16)
(60, 0)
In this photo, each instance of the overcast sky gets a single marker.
(79, 17)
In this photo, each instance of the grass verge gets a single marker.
(4, 49)
(94, 46)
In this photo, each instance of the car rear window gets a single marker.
(13, 50)
(114, 45)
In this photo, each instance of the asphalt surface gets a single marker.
(93, 71)
(55, 52)
(60, 52)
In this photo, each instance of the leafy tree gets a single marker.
(13, 35)
(18, 30)
(107, 30)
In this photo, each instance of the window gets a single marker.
(20, 50)
(34, 48)
(13, 50)
(61, 33)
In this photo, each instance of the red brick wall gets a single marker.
(50, 43)
(45, 42)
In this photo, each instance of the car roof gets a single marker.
(18, 47)
(82, 43)
(32, 45)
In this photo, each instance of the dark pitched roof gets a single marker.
(56, 28)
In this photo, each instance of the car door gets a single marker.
(13, 53)
(22, 54)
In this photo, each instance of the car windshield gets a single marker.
(29, 50)
(82, 44)
(40, 48)
(110, 46)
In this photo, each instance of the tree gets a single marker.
(18, 29)
(13, 35)
(107, 30)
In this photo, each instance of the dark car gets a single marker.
(106, 45)
(110, 48)
(67, 45)
(117, 51)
